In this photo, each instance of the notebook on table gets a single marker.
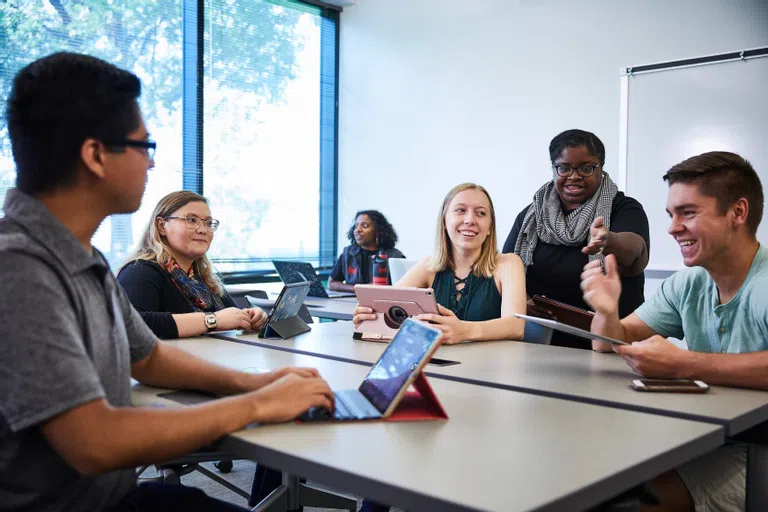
(566, 313)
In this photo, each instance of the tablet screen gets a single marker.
(289, 302)
(401, 358)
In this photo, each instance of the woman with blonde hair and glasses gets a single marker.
(477, 288)
(170, 280)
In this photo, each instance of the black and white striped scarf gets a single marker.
(546, 220)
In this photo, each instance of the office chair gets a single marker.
(170, 472)
(294, 494)
(242, 302)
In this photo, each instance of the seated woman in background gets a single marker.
(370, 234)
(576, 217)
(170, 280)
(477, 289)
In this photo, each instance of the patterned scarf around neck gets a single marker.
(195, 292)
(546, 220)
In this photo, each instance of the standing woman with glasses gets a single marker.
(577, 217)
(170, 280)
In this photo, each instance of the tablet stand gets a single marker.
(419, 404)
(287, 328)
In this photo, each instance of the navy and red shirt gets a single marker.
(355, 263)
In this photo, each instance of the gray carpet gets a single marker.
(241, 476)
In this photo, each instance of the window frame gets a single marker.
(193, 171)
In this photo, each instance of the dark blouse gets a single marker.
(556, 269)
(153, 294)
(482, 300)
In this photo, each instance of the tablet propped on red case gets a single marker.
(419, 404)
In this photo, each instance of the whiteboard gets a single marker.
(675, 113)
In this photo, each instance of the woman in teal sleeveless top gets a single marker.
(478, 290)
(480, 302)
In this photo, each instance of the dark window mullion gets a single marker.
(192, 109)
(329, 106)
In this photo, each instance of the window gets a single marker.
(260, 143)
(262, 131)
(142, 36)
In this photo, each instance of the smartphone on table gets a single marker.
(670, 386)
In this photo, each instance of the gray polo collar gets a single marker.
(45, 228)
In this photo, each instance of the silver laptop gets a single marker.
(398, 268)
(558, 326)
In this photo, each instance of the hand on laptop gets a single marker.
(454, 330)
(257, 317)
(259, 380)
(289, 396)
(602, 291)
(361, 314)
(292, 370)
(233, 318)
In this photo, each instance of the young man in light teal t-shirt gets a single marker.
(720, 306)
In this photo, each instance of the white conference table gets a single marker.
(572, 374)
(499, 451)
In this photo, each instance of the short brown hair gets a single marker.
(725, 176)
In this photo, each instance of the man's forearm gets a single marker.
(340, 286)
(607, 325)
(738, 370)
(128, 437)
(171, 367)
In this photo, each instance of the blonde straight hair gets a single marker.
(442, 259)
(152, 246)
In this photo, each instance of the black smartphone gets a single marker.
(670, 386)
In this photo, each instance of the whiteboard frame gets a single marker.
(625, 76)
(627, 72)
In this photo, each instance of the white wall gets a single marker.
(437, 92)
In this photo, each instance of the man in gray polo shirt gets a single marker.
(719, 304)
(69, 439)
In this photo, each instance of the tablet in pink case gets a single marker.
(392, 306)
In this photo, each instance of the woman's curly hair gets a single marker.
(386, 238)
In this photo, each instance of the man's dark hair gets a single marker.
(55, 104)
(725, 176)
(574, 139)
(386, 238)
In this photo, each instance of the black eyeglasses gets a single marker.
(193, 222)
(585, 171)
(149, 146)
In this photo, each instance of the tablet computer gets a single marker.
(559, 326)
(284, 321)
(388, 380)
(392, 305)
